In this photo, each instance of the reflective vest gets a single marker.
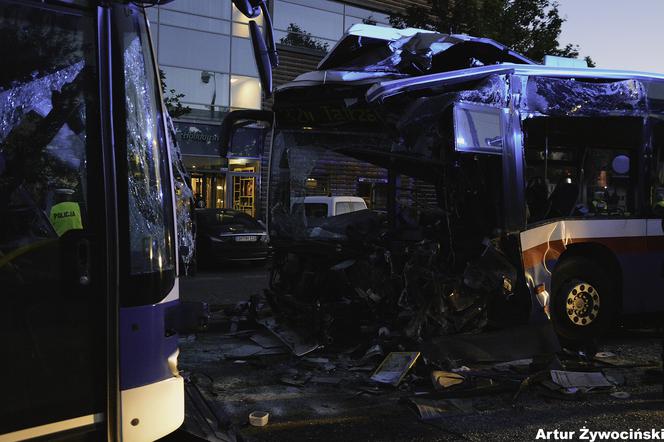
(65, 217)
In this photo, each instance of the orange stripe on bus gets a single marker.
(619, 245)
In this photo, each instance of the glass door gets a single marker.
(242, 192)
(209, 190)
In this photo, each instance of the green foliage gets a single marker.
(531, 27)
(302, 39)
(172, 98)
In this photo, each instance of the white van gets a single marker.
(329, 206)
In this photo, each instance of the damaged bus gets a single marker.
(499, 190)
(88, 255)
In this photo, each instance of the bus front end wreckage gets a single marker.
(477, 167)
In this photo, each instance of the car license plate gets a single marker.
(251, 238)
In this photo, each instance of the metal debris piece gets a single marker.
(326, 380)
(446, 379)
(372, 352)
(395, 366)
(316, 360)
(242, 351)
(507, 366)
(292, 340)
(569, 379)
(605, 354)
(266, 341)
(430, 409)
(294, 380)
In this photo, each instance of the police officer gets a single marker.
(65, 214)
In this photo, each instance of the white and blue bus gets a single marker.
(461, 145)
(88, 256)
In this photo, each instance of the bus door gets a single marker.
(53, 252)
(245, 133)
(656, 219)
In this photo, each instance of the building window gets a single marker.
(210, 8)
(318, 24)
(245, 92)
(241, 23)
(202, 89)
(193, 49)
(202, 60)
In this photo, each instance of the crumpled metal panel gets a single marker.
(421, 53)
(16, 102)
(655, 97)
(492, 91)
(413, 54)
(569, 97)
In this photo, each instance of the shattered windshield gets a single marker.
(146, 202)
(150, 221)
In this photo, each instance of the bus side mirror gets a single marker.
(264, 48)
(262, 57)
(238, 122)
(248, 8)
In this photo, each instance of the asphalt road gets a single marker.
(336, 411)
(320, 412)
(229, 285)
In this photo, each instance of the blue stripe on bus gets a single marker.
(145, 344)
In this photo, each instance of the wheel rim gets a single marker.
(582, 304)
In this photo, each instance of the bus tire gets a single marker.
(584, 302)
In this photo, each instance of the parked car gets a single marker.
(328, 206)
(224, 235)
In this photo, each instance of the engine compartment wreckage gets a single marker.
(435, 133)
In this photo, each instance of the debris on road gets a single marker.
(395, 367)
(571, 379)
(259, 418)
(438, 378)
(430, 409)
(445, 379)
(298, 346)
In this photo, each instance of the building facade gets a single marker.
(205, 53)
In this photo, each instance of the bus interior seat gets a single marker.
(563, 200)
(537, 198)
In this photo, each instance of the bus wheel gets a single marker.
(585, 299)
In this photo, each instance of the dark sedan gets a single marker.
(228, 235)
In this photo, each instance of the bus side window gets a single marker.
(608, 182)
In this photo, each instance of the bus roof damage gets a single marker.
(430, 130)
